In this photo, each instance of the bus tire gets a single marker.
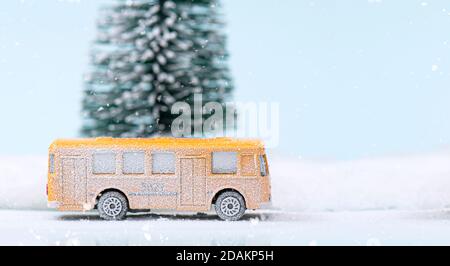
(112, 206)
(230, 206)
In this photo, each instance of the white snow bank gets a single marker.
(23, 181)
(408, 182)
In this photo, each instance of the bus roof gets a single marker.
(107, 142)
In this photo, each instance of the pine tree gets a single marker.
(148, 55)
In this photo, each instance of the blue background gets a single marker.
(353, 78)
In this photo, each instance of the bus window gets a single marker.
(104, 163)
(163, 163)
(133, 162)
(51, 167)
(224, 162)
(263, 165)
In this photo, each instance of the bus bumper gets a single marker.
(53, 204)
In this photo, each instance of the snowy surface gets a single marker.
(384, 201)
(20, 227)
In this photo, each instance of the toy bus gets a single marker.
(116, 176)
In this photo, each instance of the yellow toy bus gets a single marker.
(115, 176)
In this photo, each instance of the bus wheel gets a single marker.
(230, 206)
(112, 206)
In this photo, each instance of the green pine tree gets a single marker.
(148, 55)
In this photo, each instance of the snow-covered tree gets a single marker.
(148, 55)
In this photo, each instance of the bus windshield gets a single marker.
(263, 165)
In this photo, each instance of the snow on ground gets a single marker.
(20, 227)
(416, 182)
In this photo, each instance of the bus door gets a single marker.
(193, 181)
(73, 180)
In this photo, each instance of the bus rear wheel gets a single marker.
(230, 206)
(112, 206)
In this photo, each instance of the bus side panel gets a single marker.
(143, 191)
(244, 181)
(131, 187)
(250, 188)
(162, 192)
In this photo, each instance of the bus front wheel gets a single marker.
(112, 206)
(230, 206)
